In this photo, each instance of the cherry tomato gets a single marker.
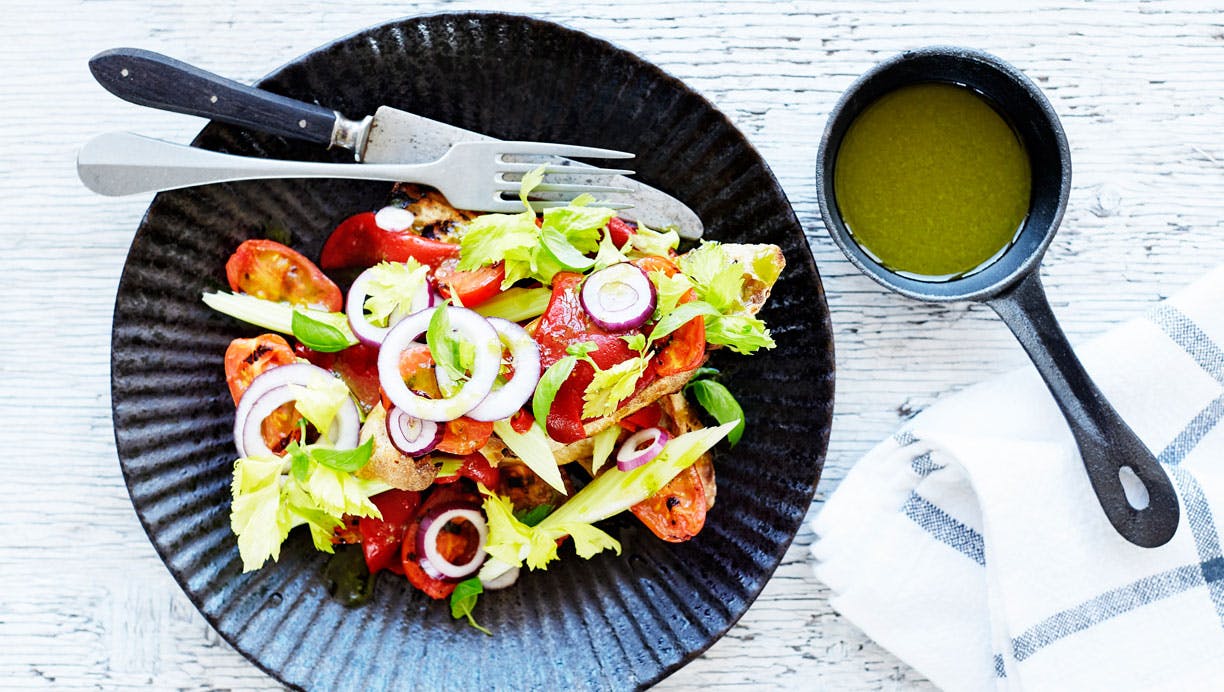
(677, 511)
(477, 469)
(356, 365)
(471, 287)
(441, 494)
(246, 359)
(266, 269)
(464, 436)
(381, 539)
(621, 231)
(359, 242)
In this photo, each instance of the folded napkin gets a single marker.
(971, 545)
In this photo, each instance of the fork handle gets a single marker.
(151, 79)
(121, 163)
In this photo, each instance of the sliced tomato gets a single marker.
(266, 269)
(359, 242)
(464, 436)
(382, 539)
(246, 359)
(621, 231)
(441, 494)
(477, 469)
(472, 287)
(677, 511)
(356, 365)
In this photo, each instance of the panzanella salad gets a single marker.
(489, 388)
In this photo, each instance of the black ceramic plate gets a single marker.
(611, 622)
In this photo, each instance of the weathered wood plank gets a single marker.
(86, 602)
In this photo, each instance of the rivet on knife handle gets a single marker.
(151, 79)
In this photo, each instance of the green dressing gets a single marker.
(932, 181)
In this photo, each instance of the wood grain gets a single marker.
(86, 603)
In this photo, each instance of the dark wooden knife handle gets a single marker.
(151, 79)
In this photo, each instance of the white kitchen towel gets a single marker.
(971, 545)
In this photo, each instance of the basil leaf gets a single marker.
(680, 316)
(463, 601)
(534, 515)
(446, 349)
(316, 335)
(718, 401)
(347, 460)
(546, 390)
(563, 251)
(703, 372)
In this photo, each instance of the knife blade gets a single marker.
(389, 135)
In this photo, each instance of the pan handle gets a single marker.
(1106, 443)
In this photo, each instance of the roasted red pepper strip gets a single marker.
(381, 538)
(359, 242)
(621, 231)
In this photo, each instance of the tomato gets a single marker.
(442, 494)
(645, 417)
(564, 323)
(525, 490)
(677, 511)
(359, 242)
(266, 269)
(464, 435)
(381, 539)
(477, 469)
(471, 287)
(246, 359)
(356, 365)
(621, 231)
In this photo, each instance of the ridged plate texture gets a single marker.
(614, 622)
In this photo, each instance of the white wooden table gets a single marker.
(84, 601)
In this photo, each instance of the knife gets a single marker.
(389, 136)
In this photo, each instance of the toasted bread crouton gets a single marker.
(762, 265)
(434, 216)
(387, 463)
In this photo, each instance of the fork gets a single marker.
(471, 175)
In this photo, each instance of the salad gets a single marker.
(488, 388)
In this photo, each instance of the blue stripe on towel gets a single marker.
(1106, 606)
(1193, 340)
(999, 667)
(923, 465)
(945, 528)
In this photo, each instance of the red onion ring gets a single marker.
(354, 308)
(503, 401)
(631, 453)
(410, 435)
(470, 325)
(431, 559)
(619, 297)
(269, 391)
